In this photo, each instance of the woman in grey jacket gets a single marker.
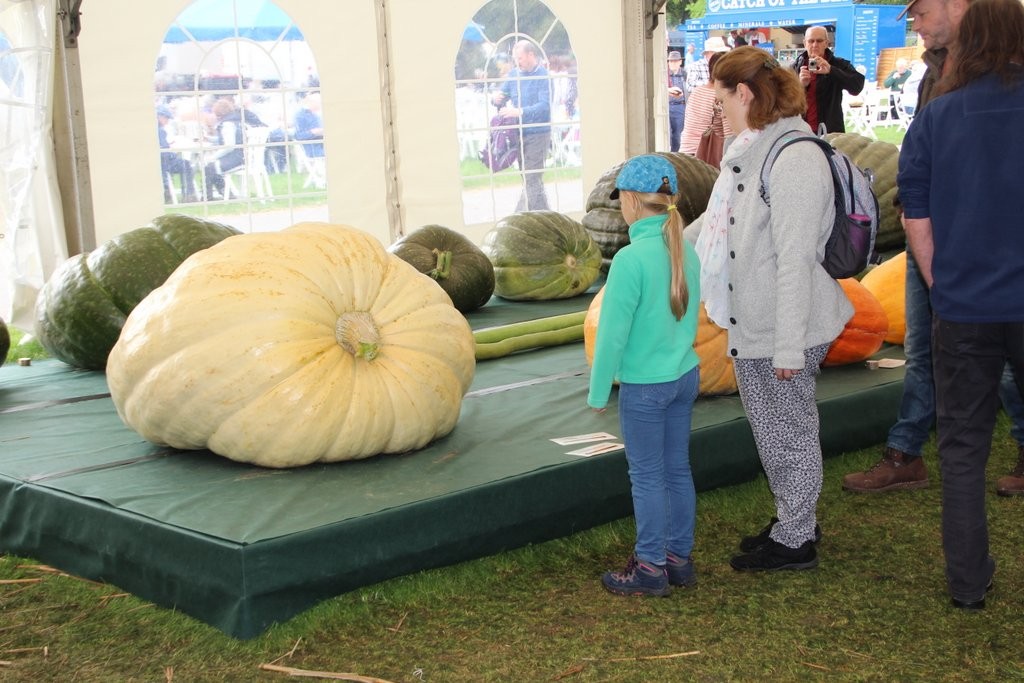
(763, 282)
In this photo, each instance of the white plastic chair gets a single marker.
(314, 167)
(857, 114)
(254, 141)
(172, 191)
(902, 117)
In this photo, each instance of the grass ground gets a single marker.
(875, 610)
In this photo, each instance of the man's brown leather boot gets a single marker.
(1013, 483)
(896, 470)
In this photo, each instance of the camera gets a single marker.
(812, 64)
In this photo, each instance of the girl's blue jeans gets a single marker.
(655, 421)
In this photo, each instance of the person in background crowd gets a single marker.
(526, 95)
(969, 250)
(909, 99)
(700, 111)
(698, 73)
(676, 99)
(645, 339)
(824, 77)
(762, 281)
(901, 465)
(232, 156)
(309, 127)
(172, 163)
(898, 76)
(894, 81)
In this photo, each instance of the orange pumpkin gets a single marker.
(888, 282)
(865, 332)
(717, 376)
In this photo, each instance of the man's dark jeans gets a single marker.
(968, 361)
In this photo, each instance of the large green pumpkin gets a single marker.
(541, 255)
(604, 222)
(453, 261)
(5, 341)
(82, 307)
(882, 158)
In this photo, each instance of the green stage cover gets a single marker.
(242, 547)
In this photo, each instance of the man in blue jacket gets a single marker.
(526, 95)
(959, 185)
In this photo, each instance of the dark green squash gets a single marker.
(5, 341)
(882, 158)
(604, 222)
(84, 304)
(541, 255)
(459, 266)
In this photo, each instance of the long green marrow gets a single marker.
(496, 342)
(554, 322)
(536, 340)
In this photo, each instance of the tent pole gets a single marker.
(70, 147)
(392, 183)
(641, 19)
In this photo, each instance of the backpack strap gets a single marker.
(781, 143)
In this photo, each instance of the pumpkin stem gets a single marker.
(444, 264)
(358, 334)
(570, 260)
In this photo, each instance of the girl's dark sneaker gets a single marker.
(638, 578)
(680, 570)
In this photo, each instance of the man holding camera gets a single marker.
(825, 77)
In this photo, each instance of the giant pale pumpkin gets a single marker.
(882, 159)
(717, 376)
(604, 221)
(864, 333)
(888, 282)
(283, 349)
(541, 255)
(83, 305)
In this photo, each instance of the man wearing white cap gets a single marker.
(697, 73)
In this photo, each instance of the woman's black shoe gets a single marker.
(772, 556)
(751, 543)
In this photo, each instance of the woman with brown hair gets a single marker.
(762, 280)
(959, 180)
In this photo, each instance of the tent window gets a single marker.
(517, 113)
(237, 116)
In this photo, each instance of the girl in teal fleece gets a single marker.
(645, 340)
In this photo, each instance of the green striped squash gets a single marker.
(452, 260)
(84, 304)
(541, 255)
(5, 341)
(604, 222)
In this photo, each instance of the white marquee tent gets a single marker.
(79, 144)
